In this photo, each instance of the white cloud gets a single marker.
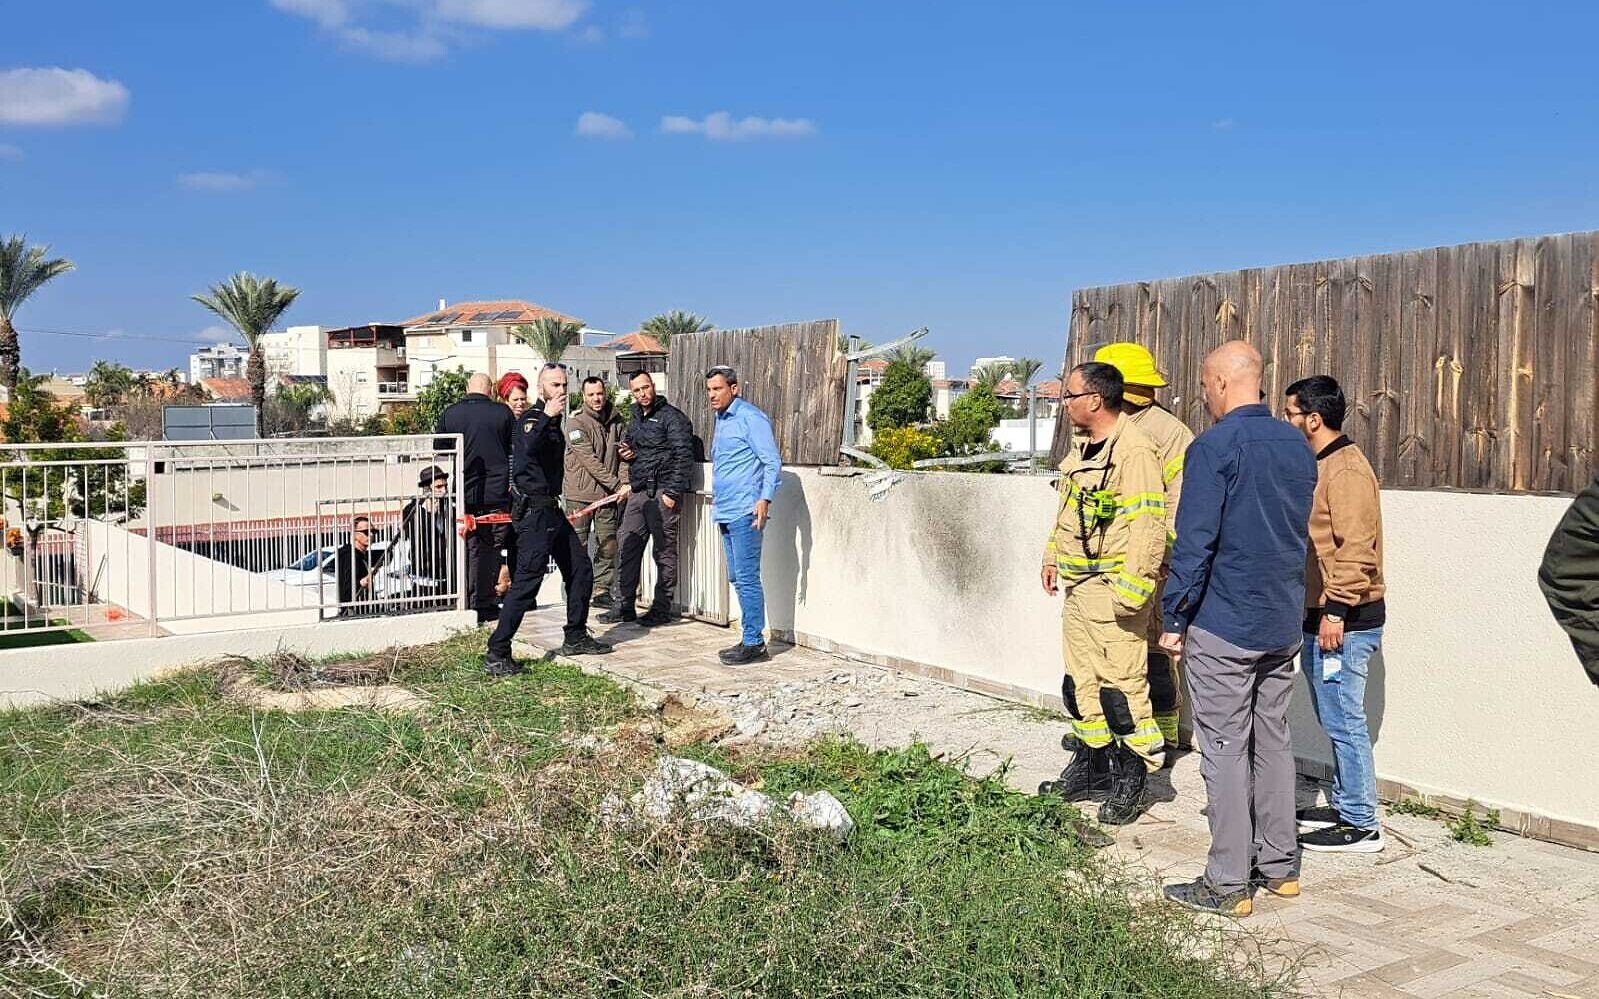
(56, 96)
(419, 31)
(223, 180)
(217, 334)
(1223, 124)
(9, 152)
(594, 125)
(541, 15)
(720, 126)
(592, 35)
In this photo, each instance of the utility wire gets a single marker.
(120, 336)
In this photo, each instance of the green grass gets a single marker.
(169, 842)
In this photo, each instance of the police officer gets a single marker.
(485, 429)
(542, 531)
(1105, 552)
(1171, 437)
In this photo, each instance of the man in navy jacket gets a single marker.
(1233, 606)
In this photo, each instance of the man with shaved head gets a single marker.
(485, 429)
(1232, 609)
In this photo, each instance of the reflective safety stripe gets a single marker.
(1168, 726)
(1087, 566)
(1140, 501)
(1094, 735)
(1133, 586)
(1146, 736)
(1173, 469)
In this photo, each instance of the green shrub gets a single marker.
(899, 447)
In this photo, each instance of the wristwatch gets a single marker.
(1334, 618)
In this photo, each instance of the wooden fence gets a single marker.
(794, 373)
(1469, 367)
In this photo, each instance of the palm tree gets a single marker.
(251, 305)
(990, 375)
(23, 270)
(108, 384)
(549, 336)
(1024, 369)
(916, 357)
(675, 323)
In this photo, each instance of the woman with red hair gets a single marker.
(512, 390)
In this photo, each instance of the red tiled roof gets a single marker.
(875, 364)
(472, 313)
(950, 383)
(1010, 388)
(637, 342)
(227, 389)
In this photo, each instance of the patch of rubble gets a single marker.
(797, 711)
(703, 794)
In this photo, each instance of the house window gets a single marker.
(466, 336)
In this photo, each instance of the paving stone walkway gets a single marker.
(1428, 917)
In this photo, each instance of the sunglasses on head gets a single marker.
(554, 365)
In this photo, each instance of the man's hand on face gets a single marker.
(762, 508)
(555, 405)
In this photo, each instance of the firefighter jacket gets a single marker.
(594, 469)
(1111, 520)
(1569, 577)
(1171, 437)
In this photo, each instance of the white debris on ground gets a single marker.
(796, 711)
(704, 794)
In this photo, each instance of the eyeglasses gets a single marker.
(553, 365)
(1069, 396)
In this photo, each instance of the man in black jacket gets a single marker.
(542, 531)
(659, 449)
(1569, 577)
(485, 429)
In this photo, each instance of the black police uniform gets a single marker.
(486, 428)
(542, 532)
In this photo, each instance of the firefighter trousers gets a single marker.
(1107, 672)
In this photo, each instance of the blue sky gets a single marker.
(893, 164)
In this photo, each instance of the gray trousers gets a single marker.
(1240, 701)
(644, 519)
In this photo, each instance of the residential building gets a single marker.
(234, 390)
(1046, 396)
(638, 351)
(478, 336)
(983, 362)
(299, 350)
(224, 360)
(945, 392)
(367, 369)
(869, 373)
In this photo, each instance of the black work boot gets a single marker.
(1086, 775)
(656, 617)
(1127, 777)
(583, 645)
(619, 614)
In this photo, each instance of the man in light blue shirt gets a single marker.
(744, 471)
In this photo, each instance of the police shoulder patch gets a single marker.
(576, 435)
(527, 427)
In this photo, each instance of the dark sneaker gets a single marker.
(587, 645)
(1319, 817)
(602, 600)
(619, 615)
(501, 666)
(1342, 838)
(1281, 887)
(1201, 897)
(656, 618)
(743, 655)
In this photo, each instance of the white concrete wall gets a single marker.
(1478, 694)
(192, 594)
(77, 672)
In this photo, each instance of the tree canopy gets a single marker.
(901, 399)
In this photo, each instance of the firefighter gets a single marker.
(1105, 551)
(1171, 437)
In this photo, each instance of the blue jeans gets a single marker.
(741, 543)
(1339, 698)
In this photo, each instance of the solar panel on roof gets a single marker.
(444, 318)
(508, 314)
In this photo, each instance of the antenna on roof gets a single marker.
(441, 305)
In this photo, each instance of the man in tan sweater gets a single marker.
(1344, 615)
